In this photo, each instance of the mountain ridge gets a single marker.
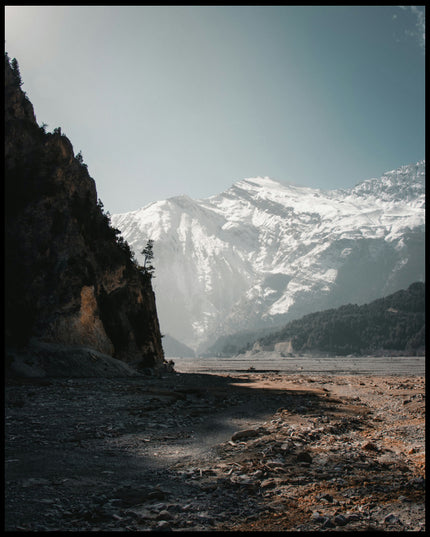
(262, 253)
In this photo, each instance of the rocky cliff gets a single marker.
(70, 279)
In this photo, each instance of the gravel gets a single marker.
(238, 452)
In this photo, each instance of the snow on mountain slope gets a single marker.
(263, 253)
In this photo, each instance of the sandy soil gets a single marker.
(244, 451)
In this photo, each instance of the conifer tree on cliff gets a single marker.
(15, 69)
(148, 255)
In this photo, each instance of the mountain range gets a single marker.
(263, 253)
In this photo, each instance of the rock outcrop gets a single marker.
(70, 279)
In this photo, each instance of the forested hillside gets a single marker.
(391, 325)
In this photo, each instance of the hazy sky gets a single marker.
(175, 100)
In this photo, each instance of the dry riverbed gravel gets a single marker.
(245, 451)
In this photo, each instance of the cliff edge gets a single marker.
(69, 277)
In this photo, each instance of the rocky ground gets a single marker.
(246, 451)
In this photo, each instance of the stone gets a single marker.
(325, 496)
(417, 483)
(156, 495)
(163, 525)
(268, 483)
(391, 519)
(242, 479)
(317, 517)
(247, 433)
(353, 517)
(369, 446)
(164, 515)
(340, 520)
(304, 456)
(328, 523)
(159, 507)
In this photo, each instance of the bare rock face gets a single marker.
(284, 347)
(70, 279)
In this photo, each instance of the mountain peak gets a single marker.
(403, 184)
(258, 182)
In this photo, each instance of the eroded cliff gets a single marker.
(69, 277)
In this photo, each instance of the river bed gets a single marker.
(331, 365)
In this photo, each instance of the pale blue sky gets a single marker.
(168, 100)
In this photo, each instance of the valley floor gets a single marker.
(240, 451)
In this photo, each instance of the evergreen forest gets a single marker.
(393, 325)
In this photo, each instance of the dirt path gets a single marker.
(142, 453)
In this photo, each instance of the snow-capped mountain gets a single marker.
(263, 253)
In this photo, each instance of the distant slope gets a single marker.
(391, 325)
(235, 343)
(175, 349)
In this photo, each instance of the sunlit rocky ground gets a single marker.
(233, 451)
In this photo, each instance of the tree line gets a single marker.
(391, 325)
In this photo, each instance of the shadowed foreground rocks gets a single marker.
(248, 451)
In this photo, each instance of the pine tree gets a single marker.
(148, 255)
(15, 69)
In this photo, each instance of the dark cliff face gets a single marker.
(68, 277)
